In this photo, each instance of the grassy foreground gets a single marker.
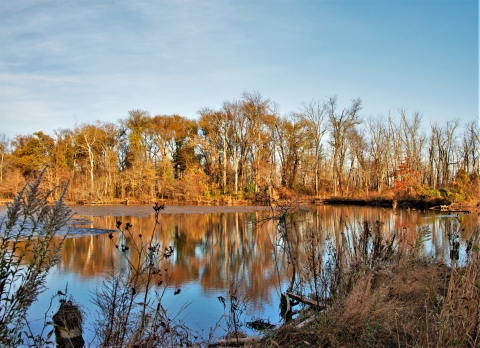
(421, 305)
(382, 292)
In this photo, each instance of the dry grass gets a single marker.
(423, 305)
(27, 253)
(459, 319)
(404, 300)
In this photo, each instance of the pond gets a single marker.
(216, 250)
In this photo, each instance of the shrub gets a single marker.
(430, 192)
(27, 254)
(130, 311)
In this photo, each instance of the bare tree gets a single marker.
(87, 143)
(255, 108)
(471, 148)
(412, 138)
(395, 153)
(340, 124)
(315, 114)
(358, 172)
(442, 152)
(237, 139)
(378, 148)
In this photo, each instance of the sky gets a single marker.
(64, 62)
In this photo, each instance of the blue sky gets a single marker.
(66, 62)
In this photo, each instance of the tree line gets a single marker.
(246, 147)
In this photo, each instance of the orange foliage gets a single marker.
(405, 179)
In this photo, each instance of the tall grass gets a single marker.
(26, 256)
(381, 289)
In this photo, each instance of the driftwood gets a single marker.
(287, 301)
(450, 209)
(233, 342)
(305, 322)
(285, 308)
(307, 301)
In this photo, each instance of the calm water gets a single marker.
(215, 248)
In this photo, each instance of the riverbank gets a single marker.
(407, 203)
(438, 204)
(419, 203)
(415, 304)
(384, 292)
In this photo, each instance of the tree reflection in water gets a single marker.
(212, 251)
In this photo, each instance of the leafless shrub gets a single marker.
(234, 307)
(129, 302)
(459, 319)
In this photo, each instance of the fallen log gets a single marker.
(233, 342)
(305, 322)
(307, 301)
(450, 209)
(68, 326)
(285, 308)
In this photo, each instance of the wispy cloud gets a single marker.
(97, 60)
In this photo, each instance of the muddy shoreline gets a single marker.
(420, 204)
(412, 203)
(230, 205)
(147, 209)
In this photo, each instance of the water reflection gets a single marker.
(215, 250)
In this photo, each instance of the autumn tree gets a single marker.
(139, 175)
(108, 164)
(4, 143)
(214, 127)
(64, 153)
(137, 124)
(62, 164)
(405, 179)
(165, 148)
(184, 132)
(291, 143)
(31, 153)
(255, 108)
(245, 146)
